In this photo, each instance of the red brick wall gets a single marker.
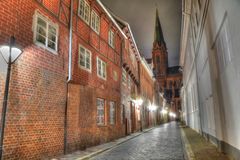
(35, 115)
(86, 86)
(83, 130)
(146, 87)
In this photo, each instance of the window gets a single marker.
(45, 33)
(95, 22)
(84, 10)
(115, 75)
(101, 69)
(100, 111)
(112, 113)
(85, 58)
(124, 77)
(111, 38)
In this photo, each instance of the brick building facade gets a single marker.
(51, 110)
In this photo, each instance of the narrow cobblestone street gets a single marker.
(162, 143)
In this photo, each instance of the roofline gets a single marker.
(111, 18)
(129, 28)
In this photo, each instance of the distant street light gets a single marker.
(164, 111)
(10, 53)
(173, 115)
(152, 107)
(139, 102)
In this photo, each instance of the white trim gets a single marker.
(48, 21)
(131, 34)
(111, 18)
(79, 59)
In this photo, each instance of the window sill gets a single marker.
(85, 69)
(87, 22)
(46, 48)
(102, 78)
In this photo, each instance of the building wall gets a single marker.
(216, 65)
(35, 115)
(147, 92)
(39, 92)
(88, 86)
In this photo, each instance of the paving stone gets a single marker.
(161, 143)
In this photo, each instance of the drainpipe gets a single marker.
(69, 76)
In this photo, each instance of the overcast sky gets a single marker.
(140, 14)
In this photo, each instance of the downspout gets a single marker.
(69, 76)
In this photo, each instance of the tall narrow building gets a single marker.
(169, 78)
(159, 54)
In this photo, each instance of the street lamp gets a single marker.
(152, 108)
(10, 53)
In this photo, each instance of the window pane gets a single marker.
(52, 29)
(100, 111)
(104, 69)
(41, 39)
(81, 9)
(52, 37)
(82, 59)
(99, 67)
(87, 11)
(51, 45)
(41, 22)
(41, 30)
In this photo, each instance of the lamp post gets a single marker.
(10, 55)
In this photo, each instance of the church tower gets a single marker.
(159, 54)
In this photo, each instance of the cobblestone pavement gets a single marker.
(162, 143)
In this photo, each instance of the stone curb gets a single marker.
(188, 153)
(113, 146)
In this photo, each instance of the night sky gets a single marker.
(140, 14)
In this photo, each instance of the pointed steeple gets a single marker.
(158, 35)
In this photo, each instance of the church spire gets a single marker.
(158, 35)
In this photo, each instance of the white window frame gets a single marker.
(48, 23)
(95, 21)
(86, 16)
(111, 39)
(102, 69)
(90, 57)
(112, 112)
(100, 118)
